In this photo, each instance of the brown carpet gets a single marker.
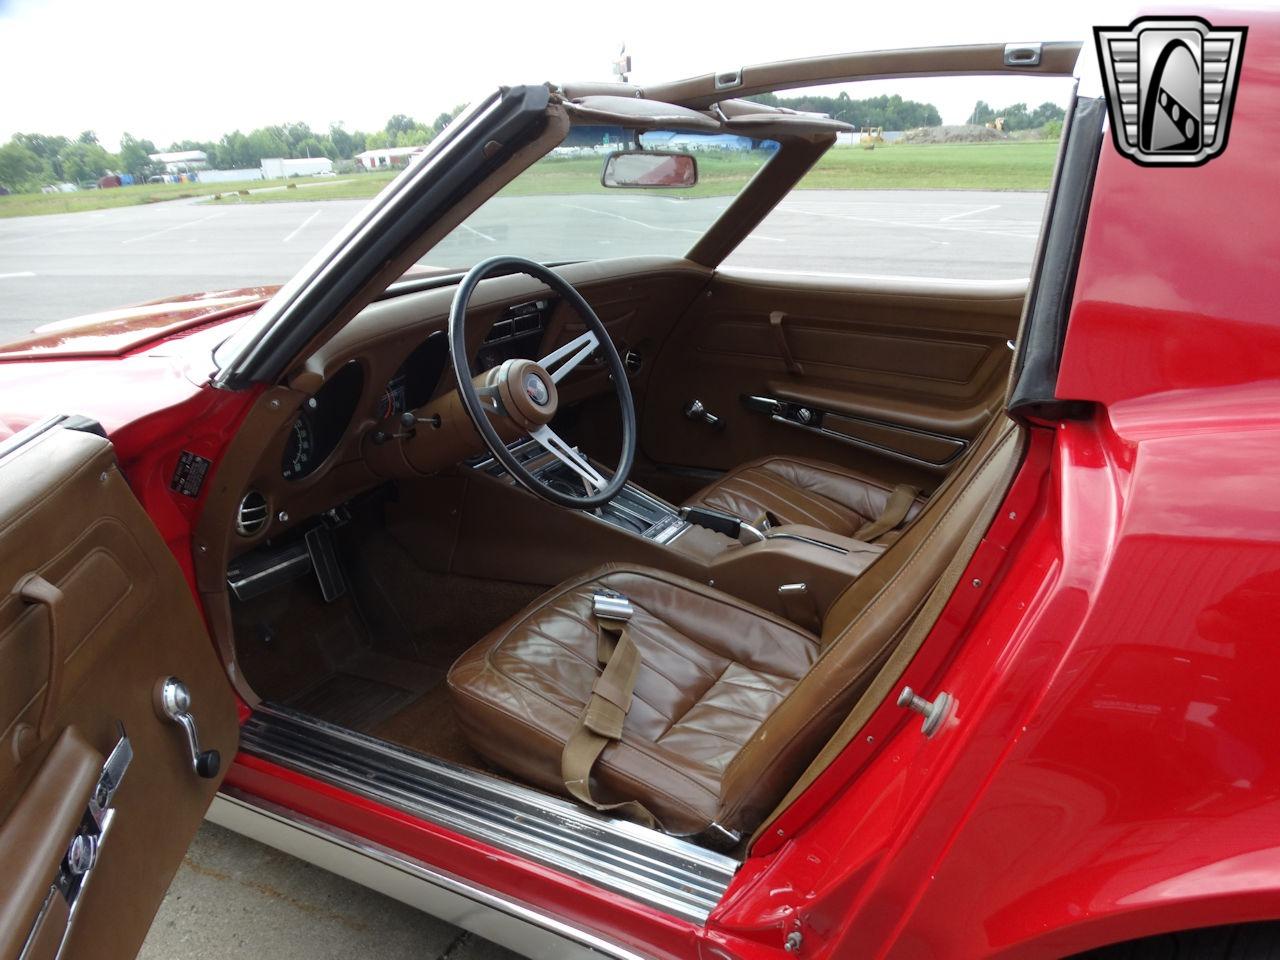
(352, 702)
(375, 661)
(429, 725)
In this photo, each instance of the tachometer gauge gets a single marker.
(299, 449)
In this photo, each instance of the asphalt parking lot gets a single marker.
(61, 266)
(233, 897)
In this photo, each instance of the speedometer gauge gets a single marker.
(299, 449)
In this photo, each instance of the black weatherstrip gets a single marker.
(1040, 351)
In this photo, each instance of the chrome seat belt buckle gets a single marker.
(610, 605)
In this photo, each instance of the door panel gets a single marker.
(892, 376)
(94, 613)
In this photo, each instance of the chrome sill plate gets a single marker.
(669, 874)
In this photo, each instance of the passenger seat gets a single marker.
(796, 490)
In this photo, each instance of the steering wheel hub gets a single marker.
(527, 393)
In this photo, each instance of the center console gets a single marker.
(633, 509)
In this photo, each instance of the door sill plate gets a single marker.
(667, 873)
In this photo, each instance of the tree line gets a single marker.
(890, 112)
(31, 160)
(1018, 117)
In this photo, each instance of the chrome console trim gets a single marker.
(667, 873)
(662, 531)
(486, 913)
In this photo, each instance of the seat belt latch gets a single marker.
(608, 605)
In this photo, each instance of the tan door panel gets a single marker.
(903, 373)
(81, 657)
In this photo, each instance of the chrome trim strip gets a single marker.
(809, 540)
(484, 912)
(667, 873)
(868, 445)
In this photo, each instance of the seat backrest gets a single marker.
(863, 625)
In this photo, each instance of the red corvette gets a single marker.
(640, 606)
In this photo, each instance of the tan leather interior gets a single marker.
(751, 653)
(795, 490)
(904, 363)
(125, 619)
(731, 702)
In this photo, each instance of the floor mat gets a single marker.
(351, 701)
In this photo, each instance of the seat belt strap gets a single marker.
(895, 511)
(601, 720)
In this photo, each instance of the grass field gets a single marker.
(951, 166)
(35, 204)
(966, 166)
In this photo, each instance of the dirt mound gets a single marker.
(964, 133)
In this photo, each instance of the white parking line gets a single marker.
(176, 226)
(20, 273)
(478, 233)
(960, 228)
(638, 223)
(970, 213)
(301, 227)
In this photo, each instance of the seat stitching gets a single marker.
(675, 721)
(658, 641)
(591, 626)
(669, 798)
(533, 628)
(817, 521)
(635, 742)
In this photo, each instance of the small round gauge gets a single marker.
(391, 402)
(299, 449)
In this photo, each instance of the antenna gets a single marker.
(622, 65)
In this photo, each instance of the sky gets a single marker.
(196, 71)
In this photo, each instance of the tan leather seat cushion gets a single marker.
(713, 668)
(797, 490)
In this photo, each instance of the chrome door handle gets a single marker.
(173, 701)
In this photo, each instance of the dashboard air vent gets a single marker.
(251, 516)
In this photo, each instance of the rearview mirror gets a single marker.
(649, 169)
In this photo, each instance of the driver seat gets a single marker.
(730, 702)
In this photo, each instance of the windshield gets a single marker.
(557, 210)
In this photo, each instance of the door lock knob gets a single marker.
(173, 702)
(696, 410)
(933, 712)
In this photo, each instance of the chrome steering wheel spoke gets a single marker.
(569, 355)
(553, 444)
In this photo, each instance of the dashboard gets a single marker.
(322, 438)
(325, 418)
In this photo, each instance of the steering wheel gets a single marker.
(525, 390)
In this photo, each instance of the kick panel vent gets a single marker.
(252, 514)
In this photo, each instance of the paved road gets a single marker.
(56, 267)
(234, 898)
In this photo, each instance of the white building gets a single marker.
(387, 157)
(275, 168)
(182, 161)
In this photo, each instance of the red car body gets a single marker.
(1111, 769)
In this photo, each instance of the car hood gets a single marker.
(113, 333)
